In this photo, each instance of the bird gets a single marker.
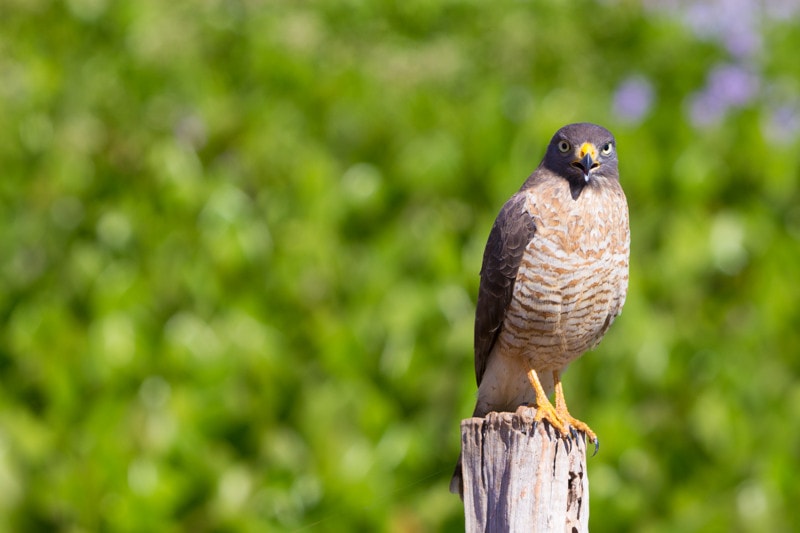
(554, 277)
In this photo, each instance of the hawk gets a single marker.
(554, 277)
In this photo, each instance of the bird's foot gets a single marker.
(558, 416)
(577, 425)
(546, 411)
(566, 424)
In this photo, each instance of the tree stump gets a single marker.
(522, 477)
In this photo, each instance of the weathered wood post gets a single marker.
(521, 477)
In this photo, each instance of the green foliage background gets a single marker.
(239, 247)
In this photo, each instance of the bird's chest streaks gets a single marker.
(571, 282)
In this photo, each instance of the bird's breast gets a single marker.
(572, 280)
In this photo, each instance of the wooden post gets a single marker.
(518, 477)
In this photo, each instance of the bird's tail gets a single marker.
(457, 481)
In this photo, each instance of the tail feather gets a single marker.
(457, 481)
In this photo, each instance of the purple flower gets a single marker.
(733, 85)
(736, 24)
(704, 109)
(742, 40)
(783, 124)
(728, 86)
(633, 99)
(703, 19)
(781, 9)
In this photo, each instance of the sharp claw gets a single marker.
(596, 446)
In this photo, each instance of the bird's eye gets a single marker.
(563, 147)
(607, 149)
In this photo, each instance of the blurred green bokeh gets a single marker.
(240, 243)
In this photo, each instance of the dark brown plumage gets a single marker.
(554, 277)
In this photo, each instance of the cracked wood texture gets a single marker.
(518, 477)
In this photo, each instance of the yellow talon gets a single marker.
(558, 416)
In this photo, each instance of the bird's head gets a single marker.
(582, 153)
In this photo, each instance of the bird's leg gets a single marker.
(566, 418)
(545, 409)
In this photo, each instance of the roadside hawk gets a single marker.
(554, 277)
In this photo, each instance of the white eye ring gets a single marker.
(563, 147)
(607, 149)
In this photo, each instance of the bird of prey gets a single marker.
(554, 277)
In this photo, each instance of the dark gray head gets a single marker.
(582, 153)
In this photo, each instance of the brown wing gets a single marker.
(510, 235)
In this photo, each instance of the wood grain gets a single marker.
(521, 477)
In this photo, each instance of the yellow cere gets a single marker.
(588, 148)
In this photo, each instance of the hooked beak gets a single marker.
(587, 159)
(586, 164)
